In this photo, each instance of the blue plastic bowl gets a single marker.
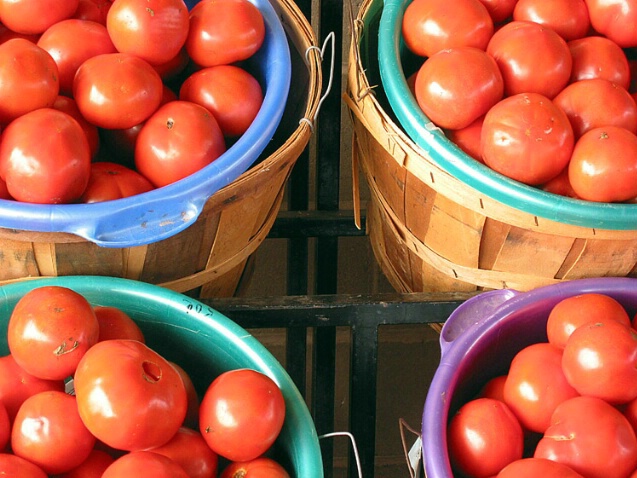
(161, 213)
(200, 339)
(394, 59)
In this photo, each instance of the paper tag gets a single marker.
(415, 457)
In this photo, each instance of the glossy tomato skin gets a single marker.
(500, 10)
(241, 414)
(615, 20)
(92, 467)
(468, 138)
(93, 10)
(35, 16)
(590, 436)
(560, 184)
(494, 388)
(527, 138)
(568, 18)
(190, 451)
(262, 467)
(114, 323)
(68, 105)
(599, 57)
(114, 374)
(14, 466)
(50, 330)
(144, 463)
(110, 181)
(48, 431)
(603, 166)
(224, 31)
(531, 467)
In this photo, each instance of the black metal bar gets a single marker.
(299, 224)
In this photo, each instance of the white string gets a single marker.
(354, 446)
(329, 39)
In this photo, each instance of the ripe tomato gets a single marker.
(571, 312)
(560, 185)
(117, 90)
(568, 18)
(92, 467)
(144, 463)
(544, 68)
(111, 181)
(590, 436)
(224, 31)
(455, 101)
(527, 138)
(48, 431)
(262, 467)
(114, 323)
(93, 10)
(599, 57)
(49, 331)
(192, 413)
(128, 395)
(468, 138)
(190, 451)
(483, 437)
(68, 105)
(241, 414)
(494, 388)
(603, 166)
(154, 30)
(5, 426)
(533, 467)
(229, 92)
(615, 19)
(35, 16)
(14, 466)
(29, 79)
(500, 10)
(179, 139)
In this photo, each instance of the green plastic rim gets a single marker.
(200, 339)
(449, 157)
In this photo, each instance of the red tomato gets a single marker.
(568, 18)
(93, 467)
(114, 323)
(600, 360)
(93, 10)
(500, 10)
(144, 463)
(527, 138)
(48, 431)
(4, 191)
(603, 167)
(5, 426)
(111, 181)
(597, 102)
(50, 330)
(241, 414)
(599, 57)
(592, 437)
(455, 101)
(544, 68)
(190, 451)
(192, 413)
(560, 184)
(224, 31)
(70, 43)
(229, 92)
(68, 105)
(571, 312)
(494, 388)
(615, 19)
(178, 140)
(16, 467)
(533, 467)
(154, 30)
(29, 79)
(171, 69)
(117, 90)
(262, 467)
(483, 437)
(468, 138)
(35, 16)
(115, 374)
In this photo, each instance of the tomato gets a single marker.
(114, 323)
(571, 312)
(241, 414)
(5, 426)
(48, 431)
(117, 90)
(533, 467)
(468, 138)
(603, 166)
(190, 451)
(29, 79)
(494, 388)
(500, 10)
(171, 69)
(93, 10)
(178, 140)
(598, 57)
(49, 330)
(527, 138)
(224, 31)
(615, 19)
(568, 18)
(455, 101)
(483, 437)
(154, 30)
(92, 467)
(144, 463)
(597, 102)
(192, 413)
(560, 184)
(262, 467)
(128, 395)
(13, 466)
(68, 105)
(229, 92)
(71, 42)
(111, 181)
(590, 436)
(544, 68)
(4, 192)
(35, 16)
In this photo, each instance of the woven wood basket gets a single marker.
(209, 257)
(432, 232)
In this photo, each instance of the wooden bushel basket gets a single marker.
(210, 255)
(432, 232)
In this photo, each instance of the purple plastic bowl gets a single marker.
(480, 338)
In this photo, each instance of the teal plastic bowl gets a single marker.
(200, 339)
(396, 63)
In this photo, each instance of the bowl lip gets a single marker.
(163, 212)
(610, 216)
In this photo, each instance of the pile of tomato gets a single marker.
(543, 92)
(566, 407)
(82, 395)
(104, 99)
